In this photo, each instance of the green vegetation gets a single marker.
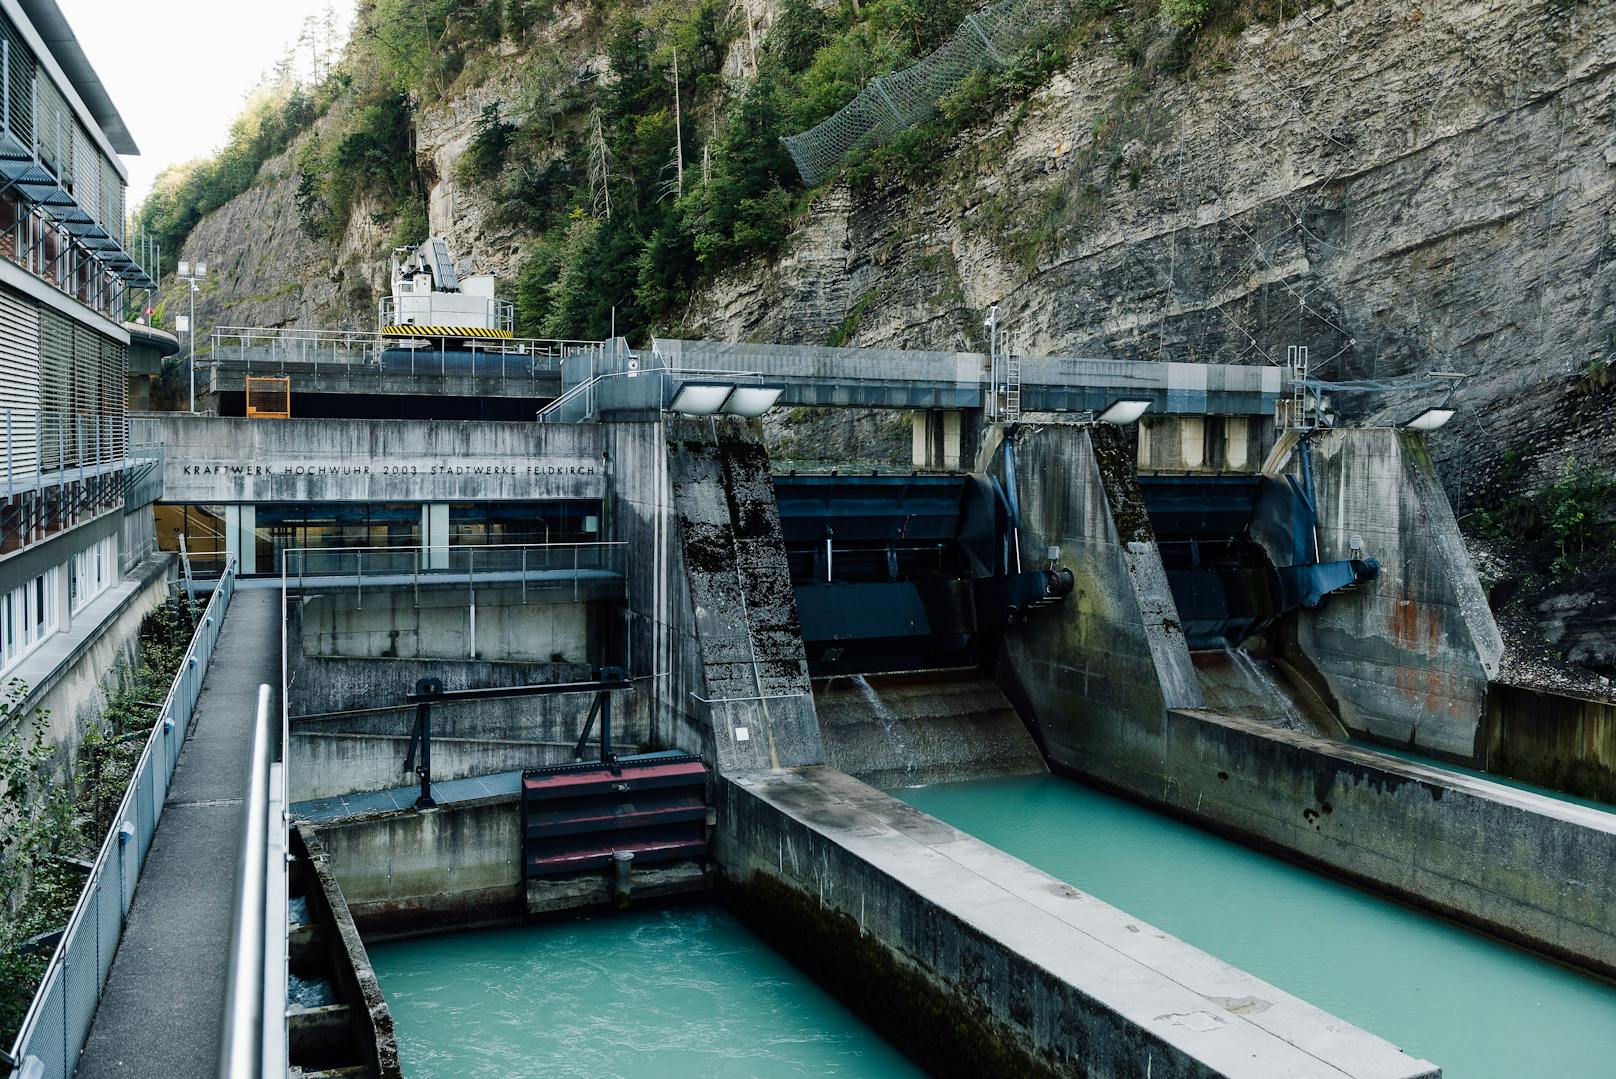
(46, 827)
(1578, 508)
(628, 188)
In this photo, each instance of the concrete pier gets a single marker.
(978, 964)
(1409, 658)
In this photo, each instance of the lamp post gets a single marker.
(192, 276)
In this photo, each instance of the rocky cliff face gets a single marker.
(1397, 186)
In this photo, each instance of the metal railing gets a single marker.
(344, 354)
(496, 314)
(58, 1021)
(253, 1041)
(454, 564)
(43, 447)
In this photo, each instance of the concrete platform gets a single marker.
(163, 1005)
(979, 955)
(447, 793)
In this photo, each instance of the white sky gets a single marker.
(179, 70)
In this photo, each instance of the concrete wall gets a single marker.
(1531, 869)
(214, 459)
(405, 872)
(1407, 657)
(319, 685)
(439, 623)
(1103, 666)
(69, 676)
(978, 964)
(342, 754)
(713, 618)
(1180, 443)
(1568, 743)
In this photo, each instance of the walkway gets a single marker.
(164, 1001)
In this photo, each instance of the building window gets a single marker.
(91, 572)
(28, 616)
(474, 523)
(333, 525)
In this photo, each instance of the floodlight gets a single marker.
(701, 398)
(201, 269)
(185, 268)
(1430, 419)
(752, 401)
(1122, 413)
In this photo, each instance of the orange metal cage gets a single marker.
(269, 398)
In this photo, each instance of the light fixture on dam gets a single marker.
(1121, 413)
(701, 398)
(707, 398)
(1430, 419)
(752, 401)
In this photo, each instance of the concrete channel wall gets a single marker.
(978, 964)
(404, 873)
(1552, 739)
(1531, 869)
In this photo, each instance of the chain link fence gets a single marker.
(893, 102)
(58, 1021)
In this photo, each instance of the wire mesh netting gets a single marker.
(893, 102)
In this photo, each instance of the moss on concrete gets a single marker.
(1115, 453)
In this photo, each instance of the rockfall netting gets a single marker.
(889, 104)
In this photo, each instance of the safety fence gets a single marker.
(893, 102)
(44, 447)
(58, 1021)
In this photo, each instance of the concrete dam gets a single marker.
(1057, 753)
(1104, 741)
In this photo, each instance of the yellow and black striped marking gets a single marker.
(444, 331)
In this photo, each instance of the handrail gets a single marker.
(248, 1047)
(57, 1024)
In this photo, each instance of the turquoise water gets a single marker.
(1491, 777)
(687, 991)
(1479, 1008)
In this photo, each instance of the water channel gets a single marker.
(682, 991)
(1480, 1008)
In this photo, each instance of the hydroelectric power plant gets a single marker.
(591, 743)
(521, 707)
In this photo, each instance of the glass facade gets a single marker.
(283, 526)
(523, 522)
(259, 534)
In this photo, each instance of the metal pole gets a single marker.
(192, 325)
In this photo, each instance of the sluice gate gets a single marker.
(905, 572)
(1241, 551)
